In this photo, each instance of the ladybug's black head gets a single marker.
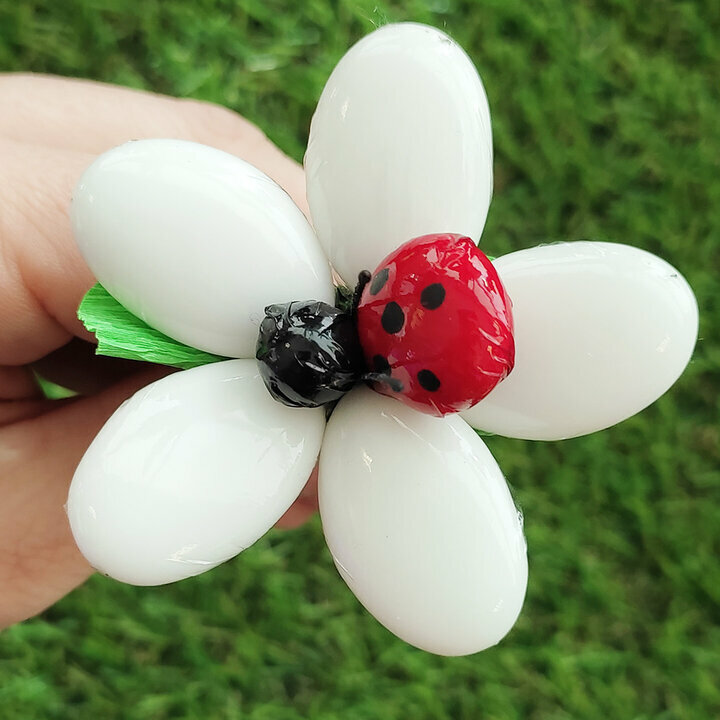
(308, 353)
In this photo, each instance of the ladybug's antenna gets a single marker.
(363, 280)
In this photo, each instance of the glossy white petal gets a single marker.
(601, 331)
(421, 524)
(195, 242)
(189, 472)
(400, 146)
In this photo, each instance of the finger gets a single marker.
(39, 562)
(304, 507)
(18, 383)
(91, 117)
(42, 274)
(14, 411)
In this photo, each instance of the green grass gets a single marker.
(606, 126)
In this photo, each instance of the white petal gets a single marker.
(421, 524)
(195, 241)
(601, 331)
(400, 146)
(189, 472)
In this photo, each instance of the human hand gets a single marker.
(51, 132)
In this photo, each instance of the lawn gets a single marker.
(605, 122)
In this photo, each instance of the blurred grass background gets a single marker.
(605, 126)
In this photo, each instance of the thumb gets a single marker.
(39, 562)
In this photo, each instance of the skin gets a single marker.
(54, 129)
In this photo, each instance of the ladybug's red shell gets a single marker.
(435, 324)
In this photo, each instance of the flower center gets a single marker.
(309, 353)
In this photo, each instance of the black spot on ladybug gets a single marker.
(432, 296)
(429, 380)
(381, 365)
(378, 282)
(393, 318)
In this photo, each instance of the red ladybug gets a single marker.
(435, 325)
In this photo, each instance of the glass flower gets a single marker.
(196, 467)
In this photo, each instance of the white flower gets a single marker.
(196, 467)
